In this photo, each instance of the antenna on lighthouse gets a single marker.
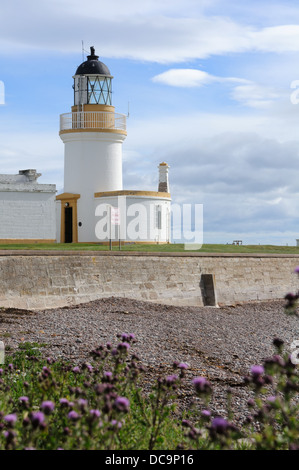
(82, 50)
(128, 115)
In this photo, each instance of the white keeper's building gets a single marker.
(94, 206)
(27, 209)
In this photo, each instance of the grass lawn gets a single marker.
(206, 248)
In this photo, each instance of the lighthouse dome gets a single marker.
(93, 66)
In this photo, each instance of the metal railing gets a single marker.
(93, 120)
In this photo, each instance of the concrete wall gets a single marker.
(44, 280)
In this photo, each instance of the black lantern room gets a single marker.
(92, 82)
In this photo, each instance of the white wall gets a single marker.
(27, 215)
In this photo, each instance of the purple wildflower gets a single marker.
(170, 380)
(183, 365)
(82, 403)
(122, 404)
(257, 371)
(73, 416)
(64, 402)
(116, 424)
(76, 370)
(47, 407)
(220, 425)
(95, 414)
(108, 376)
(206, 413)
(296, 270)
(37, 419)
(10, 419)
(201, 385)
(23, 400)
(124, 346)
(1, 371)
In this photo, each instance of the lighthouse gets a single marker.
(93, 135)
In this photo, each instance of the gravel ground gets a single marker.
(218, 343)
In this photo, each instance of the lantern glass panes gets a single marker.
(99, 90)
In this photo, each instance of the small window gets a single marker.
(158, 217)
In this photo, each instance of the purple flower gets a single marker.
(76, 370)
(124, 346)
(220, 425)
(116, 424)
(122, 404)
(183, 365)
(23, 400)
(296, 270)
(95, 414)
(82, 403)
(257, 370)
(37, 419)
(10, 419)
(201, 385)
(206, 413)
(10, 366)
(1, 371)
(170, 380)
(64, 401)
(73, 416)
(47, 407)
(108, 376)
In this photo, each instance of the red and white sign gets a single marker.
(115, 215)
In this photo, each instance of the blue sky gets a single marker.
(209, 87)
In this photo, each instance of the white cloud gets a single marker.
(166, 32)
(255, 95)
(184, 78)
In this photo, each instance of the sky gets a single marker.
(211, 87)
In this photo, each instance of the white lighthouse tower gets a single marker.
(93, 135)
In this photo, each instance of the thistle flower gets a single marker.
(24, 400)
(183, 365)
(64, 402)
(201, 385)
(206, 413)
(73, 416)
(257, 371)
(37, 419)
(220, 426)
(47, 407)
(122, 404)
(10, 419)
(171, 380)
(124, 346)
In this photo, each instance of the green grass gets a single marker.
(176, 247)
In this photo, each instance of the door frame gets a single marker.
(71, 200)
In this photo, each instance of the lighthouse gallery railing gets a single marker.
(92, 120)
